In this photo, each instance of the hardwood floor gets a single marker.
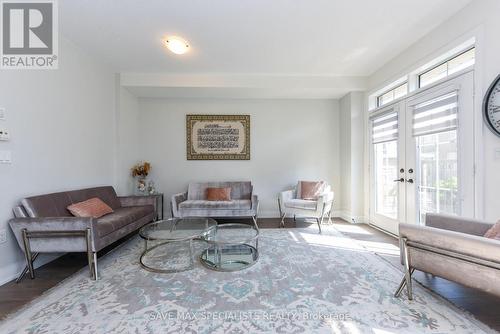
(483, 306)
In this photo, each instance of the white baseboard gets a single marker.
(11, 271)
(358, 219)
(269, 214)
(347, 216)
(275, 214)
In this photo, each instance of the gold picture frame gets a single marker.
(218, 137)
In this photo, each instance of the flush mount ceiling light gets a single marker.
(176, 44)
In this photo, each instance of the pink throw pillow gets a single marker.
(93, 207)
(311, 190)
(219, 194)
(493, 232)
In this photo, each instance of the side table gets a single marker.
(159, 204)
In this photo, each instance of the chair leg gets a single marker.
(26, 268)
(294, 218)
(91, 256)
(279, 207)
(319, 223)
(408, 272)
(95, 276)
(402, 285)
(282, 223)
(27, 253)
(330, 214)
(254, 218)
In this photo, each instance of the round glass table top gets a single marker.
(178, 229)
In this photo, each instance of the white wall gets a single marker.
(352, 136)
(480, 20)
(62, 135)
(128, 136)
(290, 140)
(345, 157)
(358, 131)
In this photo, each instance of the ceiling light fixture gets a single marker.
(176, 44)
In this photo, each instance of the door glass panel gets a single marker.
(437, 173)
(386, 171)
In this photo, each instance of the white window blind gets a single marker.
(437, 115)
(385, 127)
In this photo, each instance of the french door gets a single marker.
(422, 155)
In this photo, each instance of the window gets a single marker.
(453, 65)
(385, 149)
(438, 173)
(386, 171)
(392, 94)
(435, 124)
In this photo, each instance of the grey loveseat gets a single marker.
(193, 203)
(453, 248)
(42, 224)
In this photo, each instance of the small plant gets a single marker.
(141, 169)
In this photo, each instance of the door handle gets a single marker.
(400, 180)
(409, 180)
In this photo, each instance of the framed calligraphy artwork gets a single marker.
(218, 137)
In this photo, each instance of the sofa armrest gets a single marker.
(126, 201)
(325, 201)
(53, 224)
(461, 243)
(286, 195)
(176, 200)
(457, 224)
(326, 198)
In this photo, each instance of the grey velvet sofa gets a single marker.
(452, 248)
(193, 203)
(42, 224)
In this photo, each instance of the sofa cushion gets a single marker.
(301, 204)
(121, 217)
(55, 204)
(93, 207)
(239, 190)
(220, 205)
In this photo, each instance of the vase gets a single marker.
(142, 186)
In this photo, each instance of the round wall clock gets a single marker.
(491, 107)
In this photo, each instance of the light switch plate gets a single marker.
(4, 134)
(2, 114)
(5, 157)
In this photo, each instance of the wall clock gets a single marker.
(491, 107)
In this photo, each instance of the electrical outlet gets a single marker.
(2, 114)
(3, 236)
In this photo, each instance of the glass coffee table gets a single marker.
(231, 247)
(169, 243)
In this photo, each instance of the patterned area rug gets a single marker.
(303, 283)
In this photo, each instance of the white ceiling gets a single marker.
(252, 37)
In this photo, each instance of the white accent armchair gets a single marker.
(291, 204)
